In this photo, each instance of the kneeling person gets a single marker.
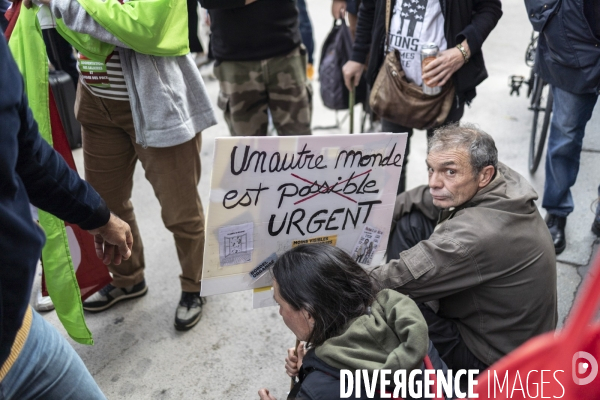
(328, 300)
(473, 242)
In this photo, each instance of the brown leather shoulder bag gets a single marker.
(402, 102)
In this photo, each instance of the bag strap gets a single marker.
(388, 17)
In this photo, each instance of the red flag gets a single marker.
(11, 15)
(561, 365)
(92, 274)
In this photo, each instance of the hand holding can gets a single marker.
(429, 52)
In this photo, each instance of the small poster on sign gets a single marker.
(365, 246)
(236, 244)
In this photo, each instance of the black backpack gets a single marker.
(336, 51)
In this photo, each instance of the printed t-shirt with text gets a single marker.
(103, 79)
(413, 23)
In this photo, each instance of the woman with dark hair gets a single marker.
(328, 301)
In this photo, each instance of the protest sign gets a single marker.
(270, 194)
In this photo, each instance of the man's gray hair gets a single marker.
(480, 145)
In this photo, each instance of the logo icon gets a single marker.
(580, 367)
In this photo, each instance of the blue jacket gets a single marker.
(30, 172)
(568, 52)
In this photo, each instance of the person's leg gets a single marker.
(389, 126)
(48, 368)
(570, 114)
(109, 160)
(289, 93)
(447, 340)
(243, 97)
(450, 346)
(306, 29)
(596, 223)
(409, 230)
(174, 173)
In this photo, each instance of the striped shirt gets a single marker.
(103, 79)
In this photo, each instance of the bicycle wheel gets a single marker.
(541, 105)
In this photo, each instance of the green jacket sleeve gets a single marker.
(153, 27)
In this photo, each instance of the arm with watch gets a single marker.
(486, 14)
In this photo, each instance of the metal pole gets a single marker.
(351, 105)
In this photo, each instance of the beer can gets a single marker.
(429, 52)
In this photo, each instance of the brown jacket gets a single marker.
(490, 263)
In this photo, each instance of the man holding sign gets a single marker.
(474, 242)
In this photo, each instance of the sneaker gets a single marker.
(43, 303)
(310, 72)
(188, 311)
(556, 225)
(109, 295)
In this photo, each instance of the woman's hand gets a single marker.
(265, 395)
(293, 362)
(438, 71)
(352, 71)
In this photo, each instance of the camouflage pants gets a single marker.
(278, 84)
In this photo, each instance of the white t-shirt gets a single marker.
(415, 22)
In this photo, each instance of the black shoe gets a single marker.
(188, 311)
(556, 225)
(109, 295)
(596, 223)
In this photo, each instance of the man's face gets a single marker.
(451, 179)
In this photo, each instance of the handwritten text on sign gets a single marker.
(276, 192)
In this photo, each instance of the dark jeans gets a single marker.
(455, 114)
(306, 30)
(570, 115)
(410, 230)
(60, 53)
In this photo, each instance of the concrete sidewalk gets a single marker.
(235, 350)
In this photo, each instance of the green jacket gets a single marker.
(393, 337)
(490, 263)
(153, 27)
(165, 88)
